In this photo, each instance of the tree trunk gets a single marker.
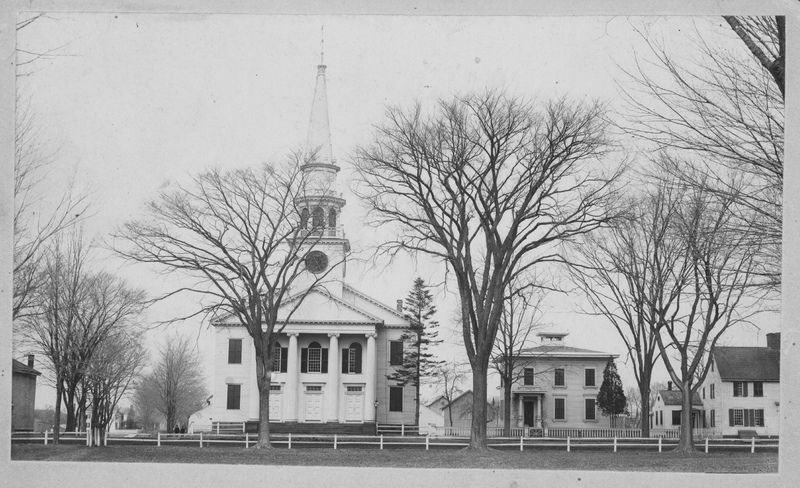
(69, 403)
(507, 407)
(263, 379)
(57, 415)
(477, 440)
(644, 393)
(686, 441)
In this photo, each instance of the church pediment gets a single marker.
(321, 307)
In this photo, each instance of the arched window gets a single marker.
(314, 359)
(279, 358)
(318, 217)
(351, 359)
(304, 218)
(332, 218)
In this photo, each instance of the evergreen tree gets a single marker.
(418, 361)
(611, 398)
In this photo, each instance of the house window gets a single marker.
(758, 389)
(560, 414)
(279, 358)
(396, 353)
(746, 417)
(758, 418)
(351, 359)
(704, 393)
(676, 417)
(713, 418)
(234, 351)
(395, 398)
(527, 377)
(740, 388)
(234, 396)
(711, 391)
(738, 417)
(590, 409)
(661, 415)
(274, 387)
(314, 359)
(589, 377)
(559, 377)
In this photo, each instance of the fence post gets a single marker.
(243, 428)
(615, 443)
(659, 443)
(158, 442)
(246, 440)
(45, 437)
(567, 443)
(335, 439)
(752, 445)
(427, 441)
(290, 440)
(381, 441)
(402, 430)
(217, 429)
(520, 443)
(706, 444)
(201, 437)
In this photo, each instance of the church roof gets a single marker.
(319, 131)
(558, 351)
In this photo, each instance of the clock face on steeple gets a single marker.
(316, 262)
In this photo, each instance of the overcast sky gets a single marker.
(137, 102)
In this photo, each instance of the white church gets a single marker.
(333, 357)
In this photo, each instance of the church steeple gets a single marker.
(318, 143)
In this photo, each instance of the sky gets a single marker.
(135, 103)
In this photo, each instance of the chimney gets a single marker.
(669, 385)
(400, 306)
(774, 340)
(30, 360)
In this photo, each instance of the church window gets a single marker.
(234, 396)
(395, 398)
(332, 218)
(396, 353)
(314, 359)
(234, 351)
(351, 359)
(318, 217)
(304, 219)
(279, 358)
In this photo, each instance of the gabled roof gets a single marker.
(368, 298)
(675, 397)
(748, 363)
(22, 368)
(458, 398)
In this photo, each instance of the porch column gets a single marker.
(333, 378)
(538, 420)
(520, 413)
(293, 381)
(370, 377)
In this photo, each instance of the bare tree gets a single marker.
(176, 385)
(115, 365)
(724, 111)
(450, 377)
(715, 290)
(521, 316)
(490, 185)
(77, 309)
(240, 238)
(628, 271)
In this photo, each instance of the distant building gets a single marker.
(458, 413)
(667, 410)
(558, 385)
(23, 394)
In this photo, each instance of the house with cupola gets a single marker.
(332, 359)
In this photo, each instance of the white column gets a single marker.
(293, 380)
(520, 413)
(371, 374)
(333, 378)
(539, 411)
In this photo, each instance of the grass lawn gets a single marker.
(721, 462)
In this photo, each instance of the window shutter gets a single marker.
(744, 388)
(345, 360)
(358, 360)
(284, 359)
(730, 416)
(304, 360)
(324, 357)
(751, 417)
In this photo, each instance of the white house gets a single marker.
(333, 357)
(742, 389)
(666, 410)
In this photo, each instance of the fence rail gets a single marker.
(336, 441)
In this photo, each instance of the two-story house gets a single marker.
(559, 385)
(742, 389)
(332, 359)
(23, 394)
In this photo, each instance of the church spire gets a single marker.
(319, 131)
